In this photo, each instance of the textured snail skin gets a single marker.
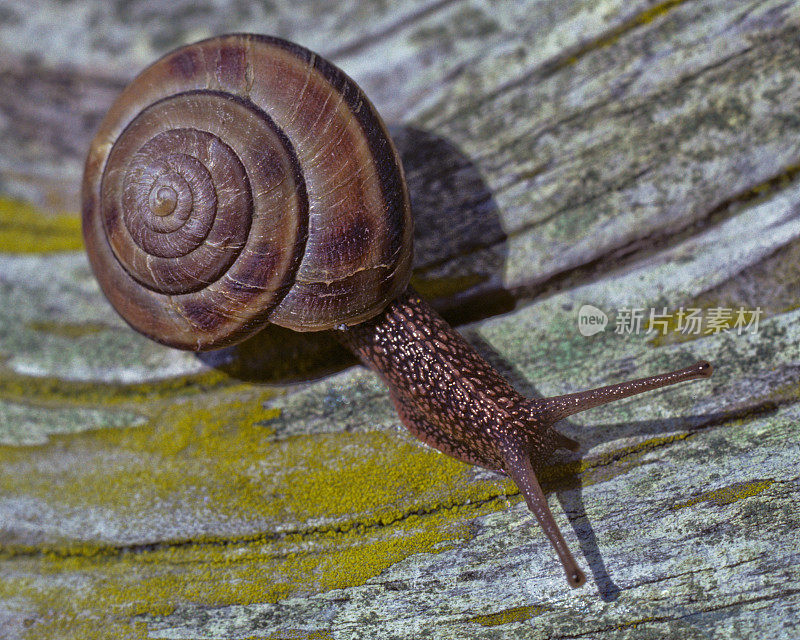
(244, 180)
(452, 399)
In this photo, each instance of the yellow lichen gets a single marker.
(515, 614)
(611, 37)
(728, 495)
(604, 466)
(432, 288)
(279, 514)
(52, 390)
(25, 229)
(328, 511)
(68, 329)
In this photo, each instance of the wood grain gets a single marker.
(625, 155)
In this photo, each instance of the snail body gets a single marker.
(244, 180)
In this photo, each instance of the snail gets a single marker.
(244, 180)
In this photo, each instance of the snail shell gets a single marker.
(243, 180)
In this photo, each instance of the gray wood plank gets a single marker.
(638, 155)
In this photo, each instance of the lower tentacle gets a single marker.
(520, 469)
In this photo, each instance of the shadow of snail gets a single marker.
(244, 180)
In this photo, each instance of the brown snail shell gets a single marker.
(215, 200)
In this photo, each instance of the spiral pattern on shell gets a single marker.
(243, 180)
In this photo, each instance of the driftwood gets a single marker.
(624, 155)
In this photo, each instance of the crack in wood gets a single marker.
(568, 57)
(781, 595)
(619, 258)
(369, 39)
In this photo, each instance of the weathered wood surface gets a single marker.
(619, 154)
